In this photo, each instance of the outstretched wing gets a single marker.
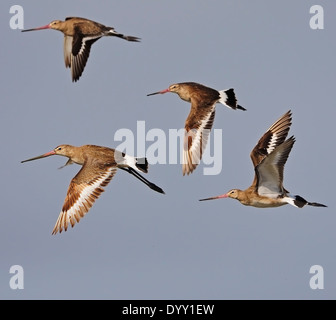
(83, 190)
(272, 138)
(197, 129)
(81, 46)
(270, 170)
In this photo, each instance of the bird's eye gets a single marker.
(59, 148)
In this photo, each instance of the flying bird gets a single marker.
(269, 157)
(79, 35)
(201, 117)
(99, 165)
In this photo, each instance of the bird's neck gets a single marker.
(245, 196)
(76, 155)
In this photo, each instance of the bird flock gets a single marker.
(99, 164)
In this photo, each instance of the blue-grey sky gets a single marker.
(138, 244)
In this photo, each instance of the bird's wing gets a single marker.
(197, 129)
(79, 18)
(273, 137)
(67, 50)
(83, 190)
(80, 51)
(270, 170)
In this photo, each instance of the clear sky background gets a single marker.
(138, 244)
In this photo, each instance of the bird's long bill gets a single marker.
(217, 197)
(35, 29)
(159, 92)
(41, 156)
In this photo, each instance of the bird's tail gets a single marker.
(142, 164)
(132, 165)
(124, 160)
(299, 202)
(228, 98)
(112, 32)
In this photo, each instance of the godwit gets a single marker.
(269, 157)
(99, 164)
(201, 117)
(79, 35)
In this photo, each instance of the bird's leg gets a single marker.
(67, 163)
(142, 179)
